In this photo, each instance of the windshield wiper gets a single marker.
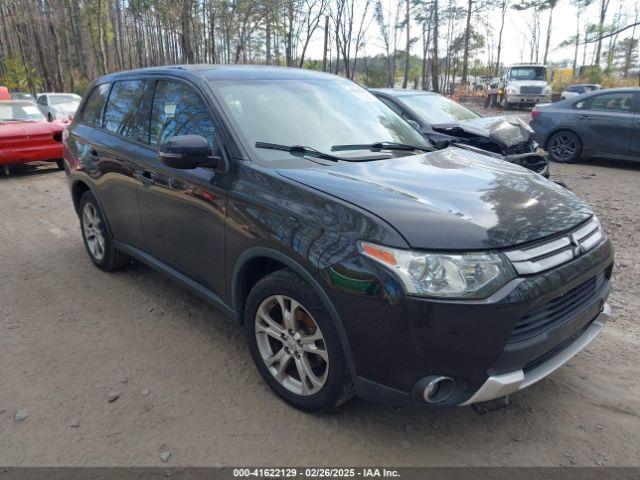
(382, 146)
(300, 150)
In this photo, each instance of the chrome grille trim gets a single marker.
(543, 257)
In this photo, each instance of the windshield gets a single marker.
(316, 113)
(529, 73)
(435, 109)
(10, 111)
(58, 99)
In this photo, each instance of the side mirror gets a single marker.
(187, 152)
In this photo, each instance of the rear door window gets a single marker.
(612, 102)
(125, 112)
(178, 110)
(92, 112)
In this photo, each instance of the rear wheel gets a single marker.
(295, 344)
(96, 236)
(564, 147)
(60, 164)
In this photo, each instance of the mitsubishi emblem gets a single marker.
(576, 247)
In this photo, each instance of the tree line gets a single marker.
(61, 45)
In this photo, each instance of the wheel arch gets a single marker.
(256, 260)
(563, 128)
(80, 187)
(77, 190)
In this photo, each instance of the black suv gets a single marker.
(358, 259)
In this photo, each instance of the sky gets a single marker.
(516, 31)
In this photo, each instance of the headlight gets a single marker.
(469, 275)
(547, 90)
(512, 90)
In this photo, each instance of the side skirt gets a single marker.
(199, 290)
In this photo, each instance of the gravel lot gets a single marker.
(72, 338)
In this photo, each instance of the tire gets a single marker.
(60, 164)
(96, 236)
(564, 147)
(504, 104)
(324, 384)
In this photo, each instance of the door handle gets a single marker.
(146, 177)
(584, 117)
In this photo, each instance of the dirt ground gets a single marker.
(72, 336)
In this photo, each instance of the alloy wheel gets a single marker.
(291, 345)
(93, 234)
(563, 147)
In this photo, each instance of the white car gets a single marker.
(58, 106)
(579, 89)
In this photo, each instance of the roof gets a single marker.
(399, 92)
(225, 72)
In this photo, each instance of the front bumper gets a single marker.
(533, 161)
(530, 99)
(395, 341)
(30, 153)
(498, 386)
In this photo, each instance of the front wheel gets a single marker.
(564, 147)
(96, 236)
(295, 344)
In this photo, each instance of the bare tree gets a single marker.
(604, 6)
(503, 12)
(407, 25)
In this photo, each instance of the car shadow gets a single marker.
(28, 169)
(607, 162)
(407, 422)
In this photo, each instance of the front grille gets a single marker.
(530, 90)
(559, 310)
(537, 259)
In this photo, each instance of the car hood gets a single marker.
(452, 199)
(505, 131)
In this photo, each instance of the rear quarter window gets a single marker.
(125, 111)
(92, 112)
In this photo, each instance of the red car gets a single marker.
(26, 135)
